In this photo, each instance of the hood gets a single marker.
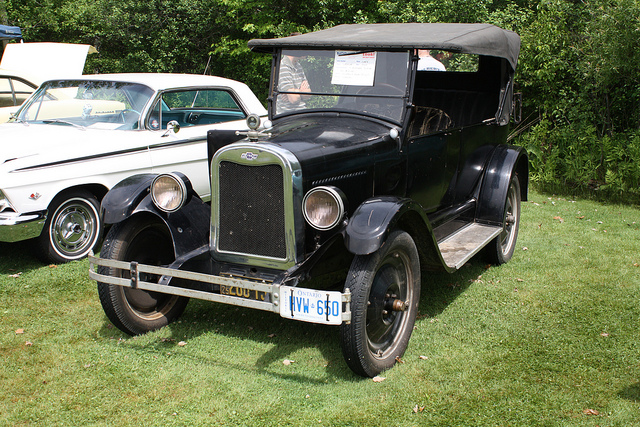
(45, 61)
(325, 131)
(333, 145)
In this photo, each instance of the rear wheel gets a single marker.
(501, 249)
(385, 291)
(136, 311)
(73, 227)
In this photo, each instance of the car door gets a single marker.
(191, 113)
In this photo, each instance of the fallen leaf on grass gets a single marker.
(378, 379)
(423, 357)
(53, 266)
(15, 275)
(287, 362)
(399, 360)
(590, 412)
(19, 331)
(182, 343)
(417, 409)
(557, 218)
(28, 343)
(604, 334)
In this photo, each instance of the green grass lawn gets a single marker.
(551, 338)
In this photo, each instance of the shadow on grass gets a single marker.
(285, 336)
(18, 256)
(440, 289)
(631, 393)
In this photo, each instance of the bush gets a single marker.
(575, 160)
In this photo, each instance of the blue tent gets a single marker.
(7, 32)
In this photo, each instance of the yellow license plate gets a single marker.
(235, 291)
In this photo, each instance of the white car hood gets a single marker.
(45, 61)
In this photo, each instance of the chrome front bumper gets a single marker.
(15, 227)
(274, 300)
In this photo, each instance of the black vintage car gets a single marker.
(385, 158)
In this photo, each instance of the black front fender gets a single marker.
(189, 226)
(372, 221)
(125, 197)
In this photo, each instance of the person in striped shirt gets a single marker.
(291, 79)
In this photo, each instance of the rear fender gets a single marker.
(505, 162)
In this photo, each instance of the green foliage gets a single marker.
(580, 75)
(579, 68)
(576, 160)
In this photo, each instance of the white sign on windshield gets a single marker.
(353, 68)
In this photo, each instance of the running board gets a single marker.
(462, 245)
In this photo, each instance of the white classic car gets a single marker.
(72, 140)
(24, 66)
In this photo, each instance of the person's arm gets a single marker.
(295, 98)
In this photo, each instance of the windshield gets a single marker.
(94, 104)
(367, 82)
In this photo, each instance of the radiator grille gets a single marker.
(252, 218)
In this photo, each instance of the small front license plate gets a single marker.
(235, 291)
(310, 305)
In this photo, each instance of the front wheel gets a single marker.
(501, 249)
(385, 291)
(135, 311)
(73, 227)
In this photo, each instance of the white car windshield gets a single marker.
(367, 82)
(87, 103)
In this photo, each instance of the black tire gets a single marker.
(385, 291)
(72, 229)
(501, 249)
(136, 311)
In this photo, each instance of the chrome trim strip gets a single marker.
(272, 289)
(80, 159)
(112, 154)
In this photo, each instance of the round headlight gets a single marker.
(323, 207)
(169, 192)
